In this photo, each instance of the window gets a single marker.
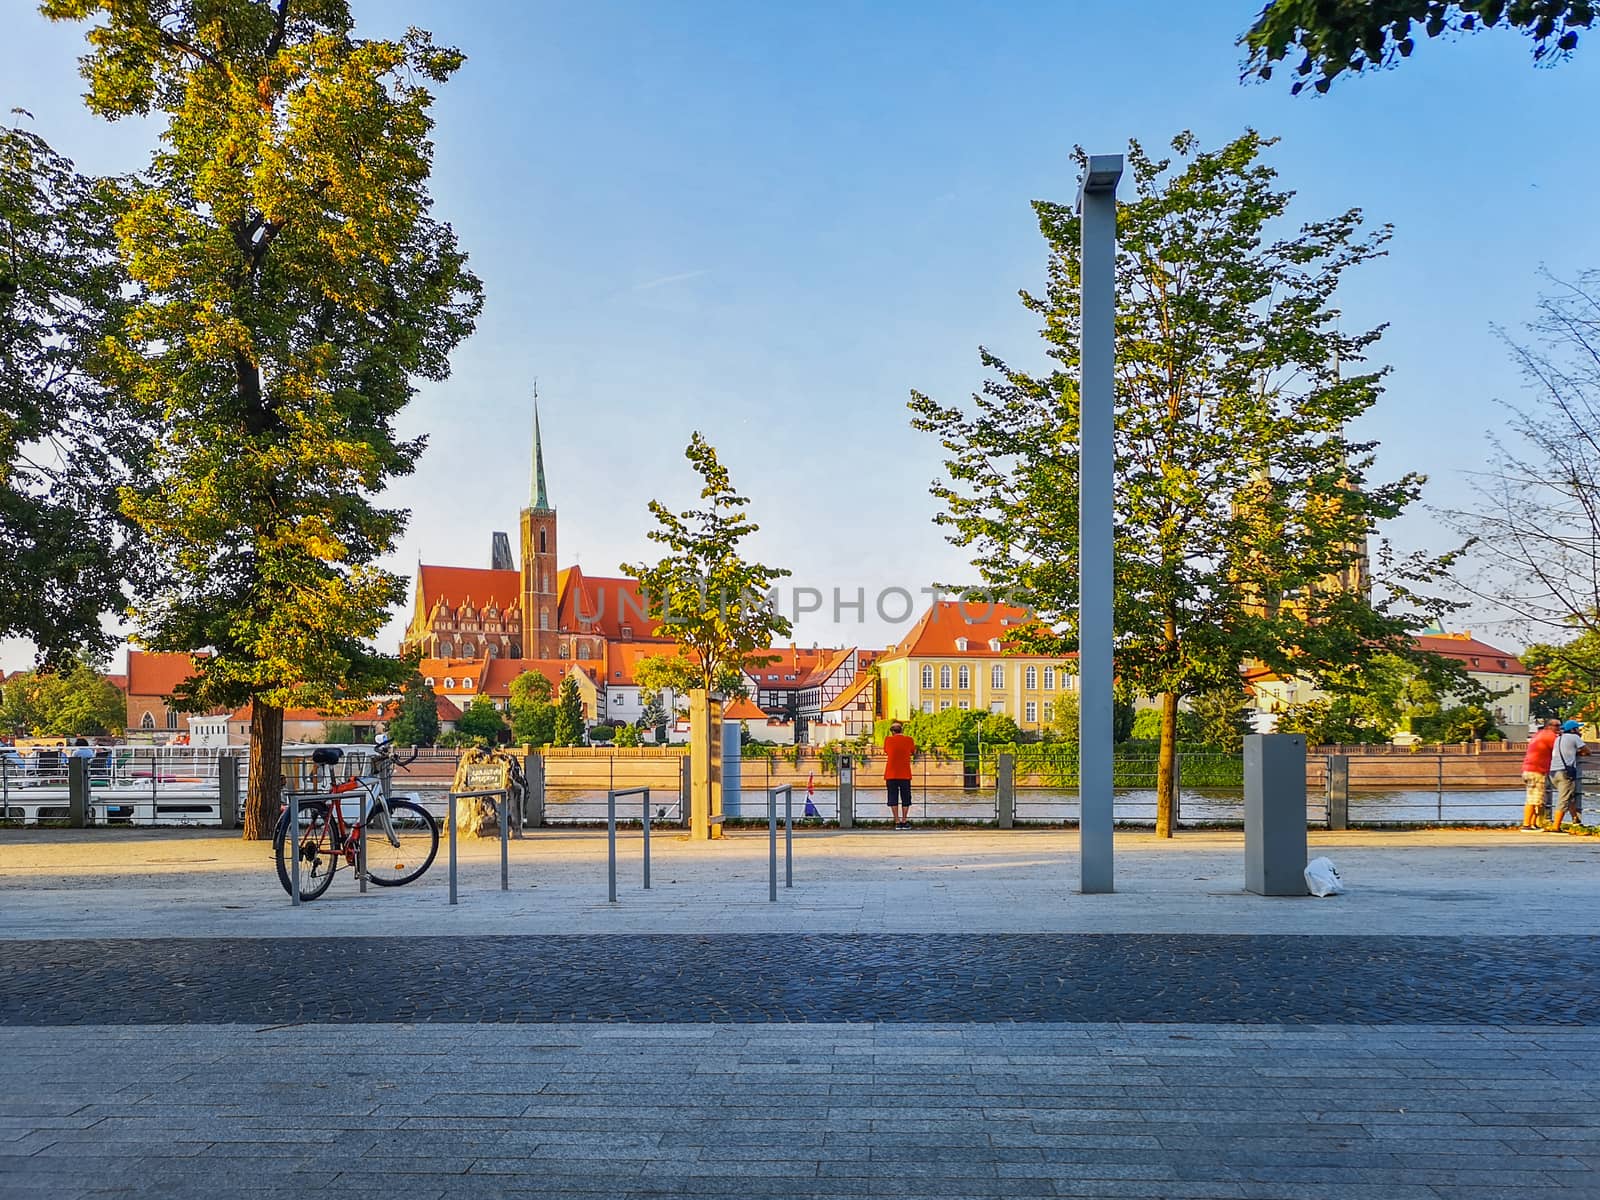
(541, 541)
(446, 649)
(627, 633)
(172, 720)
(1049, 711)
(1031, 678)
(544, 618)
(1049, 679)
(428, 681)
(467, 649)
(961, 645)
(927, 677)
(997, 706)
(997, 677)
(964, 677)
(467, 683)
(492, 651)
(1502, 663)
(963, 704)
(449, 681)
(927, 706)
(943, 704)
(147, 722)
(944, 677)
(1032, 712)
(994, 644)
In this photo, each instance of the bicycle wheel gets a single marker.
(318, 859)
(401, 845)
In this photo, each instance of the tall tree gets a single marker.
(66, 440)
(1335, 36)
(480, 723)
(293, 284)
(1565, 681)
(1239, 497)
(533, 716)
(708, 599)
(1536, 528)
(416, 722)
(569, 715)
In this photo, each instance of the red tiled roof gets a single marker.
(622, 659)
(120, 682)
(604, 605)
(454, 585)
(1465, 648)
(946, 621)
(157, 674)
(742, 710)
(858, 685)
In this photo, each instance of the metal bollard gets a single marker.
(1338, 770)
(788, 838)
(361, 856)
(505, 842)
(294, 851)
(77, 792)
(772, 846)
(647, 839)
(611, 845)
(452, 847)
(1005, 791)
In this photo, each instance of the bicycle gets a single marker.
(408, 835)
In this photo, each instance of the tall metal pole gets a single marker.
(1097, 205)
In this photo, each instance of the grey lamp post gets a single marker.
(1097, 205)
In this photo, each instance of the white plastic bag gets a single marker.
(1322, 878)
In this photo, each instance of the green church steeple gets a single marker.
(541, 499)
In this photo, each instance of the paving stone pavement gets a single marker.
(1264, 978)
(1347, 1112)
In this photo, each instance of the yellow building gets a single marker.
(957, 656)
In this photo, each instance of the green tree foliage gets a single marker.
(416, 722)
(480, 723)
(1335, 36)
(654, 717)
(627, 736)
(569, 715)
(602, 735)
(1239, 495)
(66, 439)
(1566, 678)
(340, 733)
(708, 599)
(72, 701)
(291, 286)
(1221, 718)
(1340, 720)
(533, 716)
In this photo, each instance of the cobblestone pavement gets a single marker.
(1272, 979)
(934, 1110)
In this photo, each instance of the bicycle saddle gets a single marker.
(326, 755)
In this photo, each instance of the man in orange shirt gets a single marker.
(1536, 772)
(897, 752)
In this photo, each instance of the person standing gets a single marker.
(897, 751)
(1536, 771)
(1564, 757)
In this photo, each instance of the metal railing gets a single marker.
(772, 839)
(502, 798)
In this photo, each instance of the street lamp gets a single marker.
(1097, 206)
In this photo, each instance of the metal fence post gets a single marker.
(1441, 789)
(361, 850)
(647, 839)
(505, 840)
(1005, 790)
(788, 837)
(772, 845)
(452, 818)
(685, 788)
(611, 845)
(294, 850)
(847, 792)
(77, 792)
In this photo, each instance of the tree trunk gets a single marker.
(266, 773)
(1166, 781)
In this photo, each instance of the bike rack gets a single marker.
(502, 797)
(611, 836)
(772, 839)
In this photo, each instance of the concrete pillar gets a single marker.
(847, 792)
(77, 792)
(533, 802)
(1005, 794)
(1338, 791)
(1275, 814)
(228, 789)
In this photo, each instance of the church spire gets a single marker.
(541, 499)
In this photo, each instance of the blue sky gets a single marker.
(770, 221)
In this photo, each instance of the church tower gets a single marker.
(538, 559)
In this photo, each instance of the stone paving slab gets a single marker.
(820, 978)
(198, 883)
(469, 1113)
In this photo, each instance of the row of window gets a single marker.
(997, 677)
(1030, 710)
(148, 721)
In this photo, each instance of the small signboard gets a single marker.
(482, 775)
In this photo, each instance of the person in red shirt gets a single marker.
(1536, 772)
(897, 752)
